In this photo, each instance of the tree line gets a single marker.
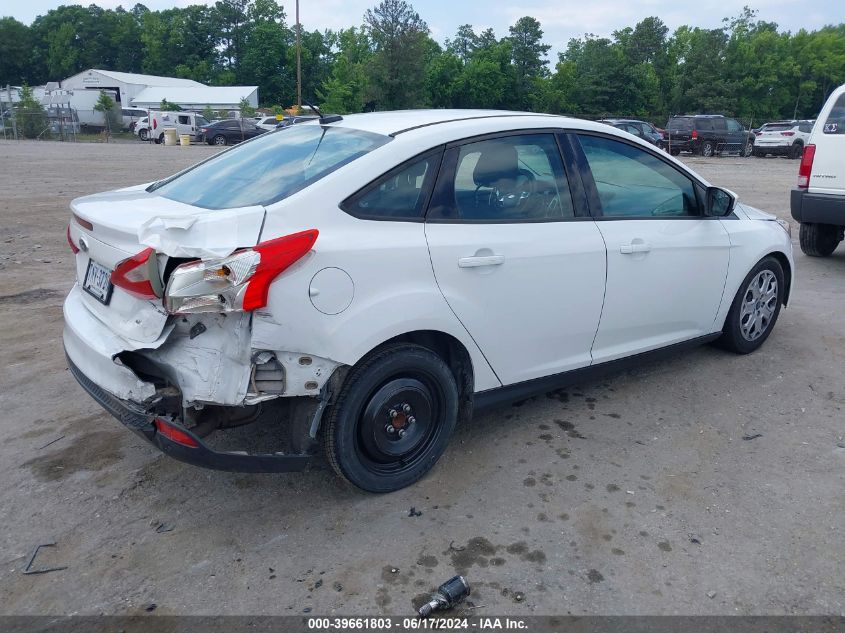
(748, 68)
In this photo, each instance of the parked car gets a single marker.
(707, 135)
(818, 202)
(229, 132)
(268, 123)
(642, 129)
(142, 128)
(383, 275)
(784, 138)
(131, 116)
(183, 122)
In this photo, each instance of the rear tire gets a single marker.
(144, 135)
(708, 149)
(392, 419)
(819, 240)
(755, 308)
(219, 140)
(796, 150)
(675, 152)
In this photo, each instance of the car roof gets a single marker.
(400, 121)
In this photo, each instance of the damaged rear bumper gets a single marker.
(191, 448)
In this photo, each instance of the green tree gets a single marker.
(246, 108)
(15, 51)
(106, 106)
(29, 114)
(166, 106)
(528, 51)
(397, 70)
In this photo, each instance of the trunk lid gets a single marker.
(110, 227)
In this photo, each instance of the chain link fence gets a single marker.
(65, 124)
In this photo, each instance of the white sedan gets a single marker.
(383, 275)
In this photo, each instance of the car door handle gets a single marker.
(635, 247)
(481, 260)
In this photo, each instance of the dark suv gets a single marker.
(707, 134)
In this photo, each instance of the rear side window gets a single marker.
(516, 178)
(835, 122)
(401, 194)
(269, 168)
(712, 124)
(633, 183)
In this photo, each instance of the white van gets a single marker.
(184, 122)
(818, 202)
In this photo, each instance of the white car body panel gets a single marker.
(659, 297)
(536, 312)
(828, 174)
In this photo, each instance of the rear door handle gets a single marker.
(635, 247)
(481, 260)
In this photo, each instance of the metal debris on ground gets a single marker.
(164, 527)
(748, 438)
(413, 512)
(42, 570)
(694, 538)
(450, 593)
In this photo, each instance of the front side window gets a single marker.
(269, 168)
(733, 125)
(509, 179)
(400, 194)
(633, 183)
(835, 122)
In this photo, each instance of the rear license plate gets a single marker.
(98, 282)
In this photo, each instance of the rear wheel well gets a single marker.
(456, 356)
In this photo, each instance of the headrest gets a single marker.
(497, 161)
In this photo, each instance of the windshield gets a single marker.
(680, 124)
(269, 168)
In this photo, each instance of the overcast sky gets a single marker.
(560, 19)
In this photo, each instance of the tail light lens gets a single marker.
(138, 275)
(238, 282)
(694, 134)
(806, 167)
(787, 133)
(73, 246)
(155, 123)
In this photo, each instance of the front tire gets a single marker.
(819, 240)
(755, 308)
(392, 419)
(675, 152)
(748, 149)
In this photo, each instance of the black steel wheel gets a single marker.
(392, 418)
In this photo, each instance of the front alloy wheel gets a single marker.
(755, 308)
(392, 418)
(748, 149)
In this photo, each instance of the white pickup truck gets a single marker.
(818, 202)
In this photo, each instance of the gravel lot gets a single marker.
(633, 495)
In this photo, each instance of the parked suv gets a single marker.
(818, 202)
(707, 134)
(783, 138)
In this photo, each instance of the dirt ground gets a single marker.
(636, 494)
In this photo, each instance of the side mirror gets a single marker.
(720, 202)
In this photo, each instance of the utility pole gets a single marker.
(298, 61)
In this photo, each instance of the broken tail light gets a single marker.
(806, 166)
(238, 282)
(138, 275)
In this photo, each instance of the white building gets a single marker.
(126, 85)
(197, 98)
